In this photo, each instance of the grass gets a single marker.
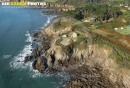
(122, 58)
(80, 44)
(50, 0)
(125, 31)
(58, 25)
(81, 34)
(119, 53)
(99, 43)
(111, 36)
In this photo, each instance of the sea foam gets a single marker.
(7, 56)
(18, 61)
(49, 19)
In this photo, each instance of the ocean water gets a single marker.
(16, 28)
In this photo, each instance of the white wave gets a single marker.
(35, 74)
(63, 75)
(6, 56)
(49, 20)
(18, 61)
(29, 38)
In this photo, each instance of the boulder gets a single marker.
(65, 41)
(34, 52)
(64, 36)
(27, 58)
(126, 81)
(40, 64)
(74, 35)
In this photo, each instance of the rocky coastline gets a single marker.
(65, 46)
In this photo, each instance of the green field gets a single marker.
(43, 0)
(49, 0)
(125, 31)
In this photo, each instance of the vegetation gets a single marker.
(43, 0)
(78, 2)
(84, 2)
(123, 30)
(60, 24)
(50, 0)
(105, 12)
(119, 53)
(106, 17)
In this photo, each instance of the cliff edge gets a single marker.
(67, 45)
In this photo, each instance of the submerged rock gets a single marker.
(27, 58)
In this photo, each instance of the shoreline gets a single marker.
(46, 60)
(62, 49)
(51, 21)
(62, 46)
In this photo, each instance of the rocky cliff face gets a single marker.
(69, 49)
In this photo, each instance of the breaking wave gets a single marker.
(18, 61)
(7, 56)
(49, 20)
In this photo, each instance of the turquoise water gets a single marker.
(15, 25)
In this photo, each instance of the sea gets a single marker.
(17, 25)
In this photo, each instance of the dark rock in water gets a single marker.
(18, 61)
(31, 49)
(34, 53)
(34, 40)
(31, 44)
(27, 58)
(34, 64)
(35, 34)
(40, 64)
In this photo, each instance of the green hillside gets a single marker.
(50, 0)
(44, 0)
(84, 2)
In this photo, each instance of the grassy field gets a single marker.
(121, 49)
(125, 30)
(49, 0)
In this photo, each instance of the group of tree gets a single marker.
(100, 12)
(79, 2)
(83, 2)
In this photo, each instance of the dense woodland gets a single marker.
(98, 12)
(79, 2)
(84, 2)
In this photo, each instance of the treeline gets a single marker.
(100, 12)
(36, 0)
(78, 2)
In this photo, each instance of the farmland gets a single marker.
(50, 0)
(124, 30)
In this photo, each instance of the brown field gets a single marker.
(116, 38)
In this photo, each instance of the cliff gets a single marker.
(67, 45)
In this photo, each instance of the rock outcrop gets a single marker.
(40, 64)
(72, 50)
